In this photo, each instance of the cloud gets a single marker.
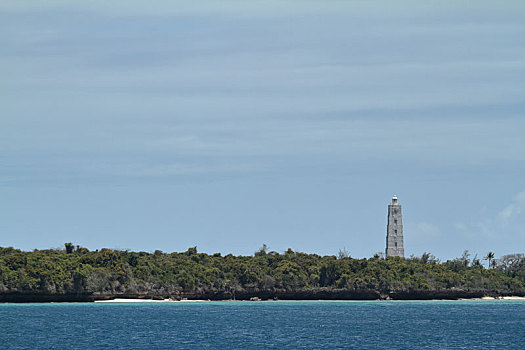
(202, 86)
(507, 222)
(513, 210)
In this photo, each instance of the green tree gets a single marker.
(69, 247)
(262, 251)
(489, 257)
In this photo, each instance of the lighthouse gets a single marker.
(394, 230)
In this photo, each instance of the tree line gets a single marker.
(108, 272)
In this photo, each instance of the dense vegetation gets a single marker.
(108, 273)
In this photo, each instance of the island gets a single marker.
(75, 273)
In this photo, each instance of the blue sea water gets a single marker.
(265, 325)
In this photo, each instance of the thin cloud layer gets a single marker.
(348, 92)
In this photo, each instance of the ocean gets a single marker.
(472, 324)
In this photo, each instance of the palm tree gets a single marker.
(489, 257)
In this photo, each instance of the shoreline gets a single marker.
(124, 300)
(164, 301)
(323, 295)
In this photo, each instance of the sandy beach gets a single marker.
(495, 298)
(123, 300)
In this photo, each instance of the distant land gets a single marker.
(78, 274)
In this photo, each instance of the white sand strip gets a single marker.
(123, 300)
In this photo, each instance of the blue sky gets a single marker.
(227, 125)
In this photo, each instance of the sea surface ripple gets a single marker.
(265, 325)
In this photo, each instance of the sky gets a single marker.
(229, 125)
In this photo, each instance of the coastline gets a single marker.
(326, 295)
(184, 300)
(124, 300)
